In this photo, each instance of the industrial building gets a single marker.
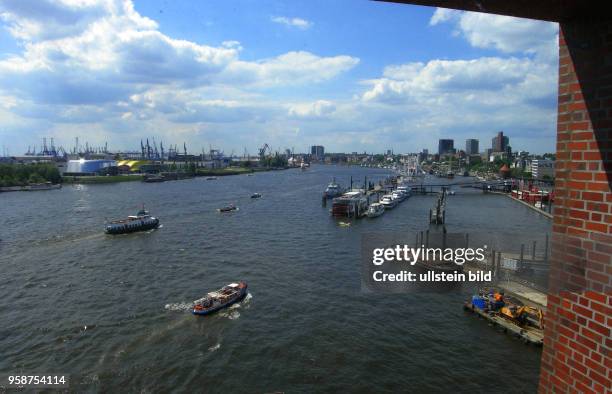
(83, 167)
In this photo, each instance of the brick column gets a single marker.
(577, 354)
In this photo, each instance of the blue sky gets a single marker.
(350, 75)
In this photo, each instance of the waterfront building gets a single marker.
(317, 152)
(446, 146)
(91, 167)
(471, 146)
(541, 168)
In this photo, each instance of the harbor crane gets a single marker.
(263, 150)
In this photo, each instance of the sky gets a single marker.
(350, 75)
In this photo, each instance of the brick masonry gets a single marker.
(577, 354)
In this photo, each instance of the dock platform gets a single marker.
(529, 335)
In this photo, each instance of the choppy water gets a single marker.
(112, 311)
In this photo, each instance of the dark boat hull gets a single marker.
(238, 298)
(127, 229)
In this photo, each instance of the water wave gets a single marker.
(179, 306)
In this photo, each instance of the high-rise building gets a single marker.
(445, 146)
(471, 147)
(317, 152)
(500, 142)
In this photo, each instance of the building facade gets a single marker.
(317, 152)
(471, 147)
(500, 142)
(446, 146)
(542, 168)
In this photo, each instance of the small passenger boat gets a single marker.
(228, 208)
(375, 209)
(222, 298)
(256, 195)
(142, 221)
(333, 189)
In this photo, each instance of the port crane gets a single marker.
(263, 150)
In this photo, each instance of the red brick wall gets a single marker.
(577, 354)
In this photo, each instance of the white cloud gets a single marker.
(316, 109)
(291, 68)
(443, 15)
(503, 33)
(299, 23)
(102, 52)
(439, 78)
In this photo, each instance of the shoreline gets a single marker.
(546, 214)
(102, 179)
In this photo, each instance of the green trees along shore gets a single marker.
(23, 175)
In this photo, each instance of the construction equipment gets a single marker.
(523, 315)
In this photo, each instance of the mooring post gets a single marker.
(444, 237)
(533, 250)
(546, 249)
(522, 254)
(427, 239)
(467, 240)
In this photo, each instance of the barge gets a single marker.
(351, 204)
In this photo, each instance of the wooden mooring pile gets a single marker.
(437, 214)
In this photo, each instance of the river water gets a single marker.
(111, 311)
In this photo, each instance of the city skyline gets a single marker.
(445, 146)
(290, 75)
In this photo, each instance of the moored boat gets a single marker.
(31, 187)
(351, 204)
(154, 178)
(333, 189)
(220, 299)
(388, 202)
(398, 195)
(406, 190)
(142, 221)
(375, 209)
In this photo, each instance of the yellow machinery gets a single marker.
(523, 315)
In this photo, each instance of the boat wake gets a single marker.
(232, 312)
(179, 306)
(215, 347)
